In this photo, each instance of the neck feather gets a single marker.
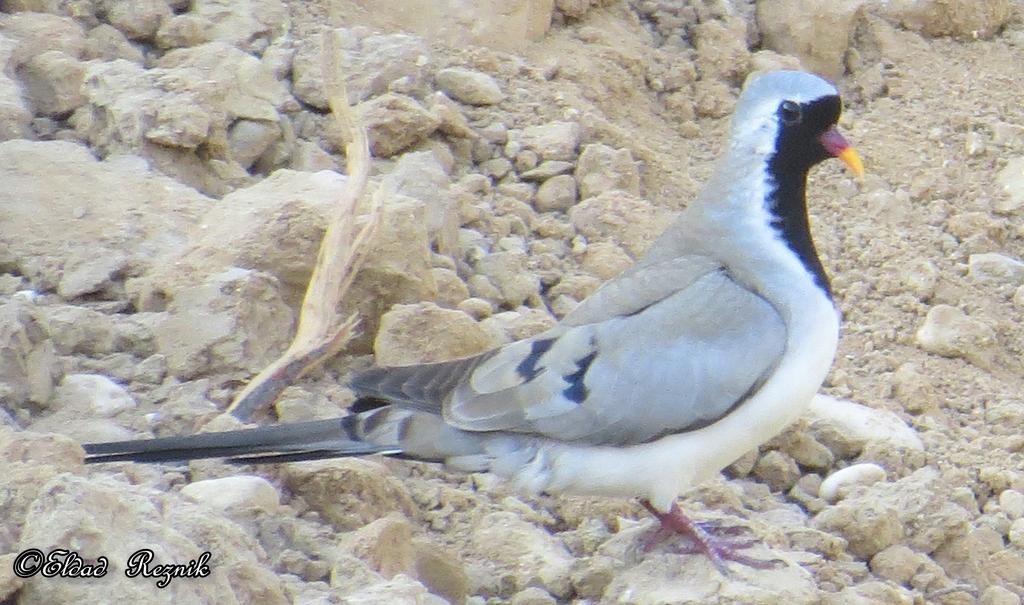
(788, 205)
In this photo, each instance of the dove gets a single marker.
(710, 345)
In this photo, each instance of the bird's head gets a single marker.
(791, 116)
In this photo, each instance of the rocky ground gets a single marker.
(163, 195)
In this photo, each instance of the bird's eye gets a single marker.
(791, 112)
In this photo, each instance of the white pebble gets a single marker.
(1016, 533)
(994, 267)
(228, 493)
(835, 485)
(1011, 178)
(974, 144)
(104, 397)
(862, 423)
(1011, 502)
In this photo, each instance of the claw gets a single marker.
(707, 539)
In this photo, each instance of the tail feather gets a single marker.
(313, 440)
(423, 387)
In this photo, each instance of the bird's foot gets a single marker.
(720, 543)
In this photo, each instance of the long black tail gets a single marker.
(316, 440)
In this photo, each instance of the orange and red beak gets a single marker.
(835, 144)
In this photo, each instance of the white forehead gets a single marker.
(763, 93)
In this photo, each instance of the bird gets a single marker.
(709, 345)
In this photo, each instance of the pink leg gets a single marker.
(705, 539)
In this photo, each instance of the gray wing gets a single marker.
(660, 349)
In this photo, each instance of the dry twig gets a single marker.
(322, 331)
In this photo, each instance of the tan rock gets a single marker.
(532, 596)
(108, 43)
(397, 265)
(183, 31)
(247, 24)
(921, 277)
(805, 450)
(591, 576)
(400, 590)
(85, 274)
(868, 527)
(870, 593)
(1011, 181)
(525, 162)
(395, 122)
(451, 290)
(100, 395)
(249, 139)
(350, 574)
(575, 286)
(897, 563)
(35, 449)
(103, 517)
(524, 553)
(53, 83)
(247, 226)
(420, 175)
(508, 272)
(911, 511)
(36, 33)
(234, 321)
(453, 122)
(349, 492)
(973, 556)
(307, 156)
(519, 324)
(385, 545)
(469, 86)
(137, 19)
(602, 168)
(557, 193)
(605, 260)
(692, 580)
(31, 459)
(15, 113)
(777, 469)
(621, 218)
(189, 99)
(816, 31)
(424, 332)
(441, 571)
(245, 86)
(1004, 416)
(998, 595)
(545, 170)
(28, 361)
(482, 288)
(551, 141)
(371, 65)
(722, 52)
(10, 582)
(949, 332)
(997, 268)
(501, 24)
(969, 19)
(477, 308)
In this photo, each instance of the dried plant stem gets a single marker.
(322, 331)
